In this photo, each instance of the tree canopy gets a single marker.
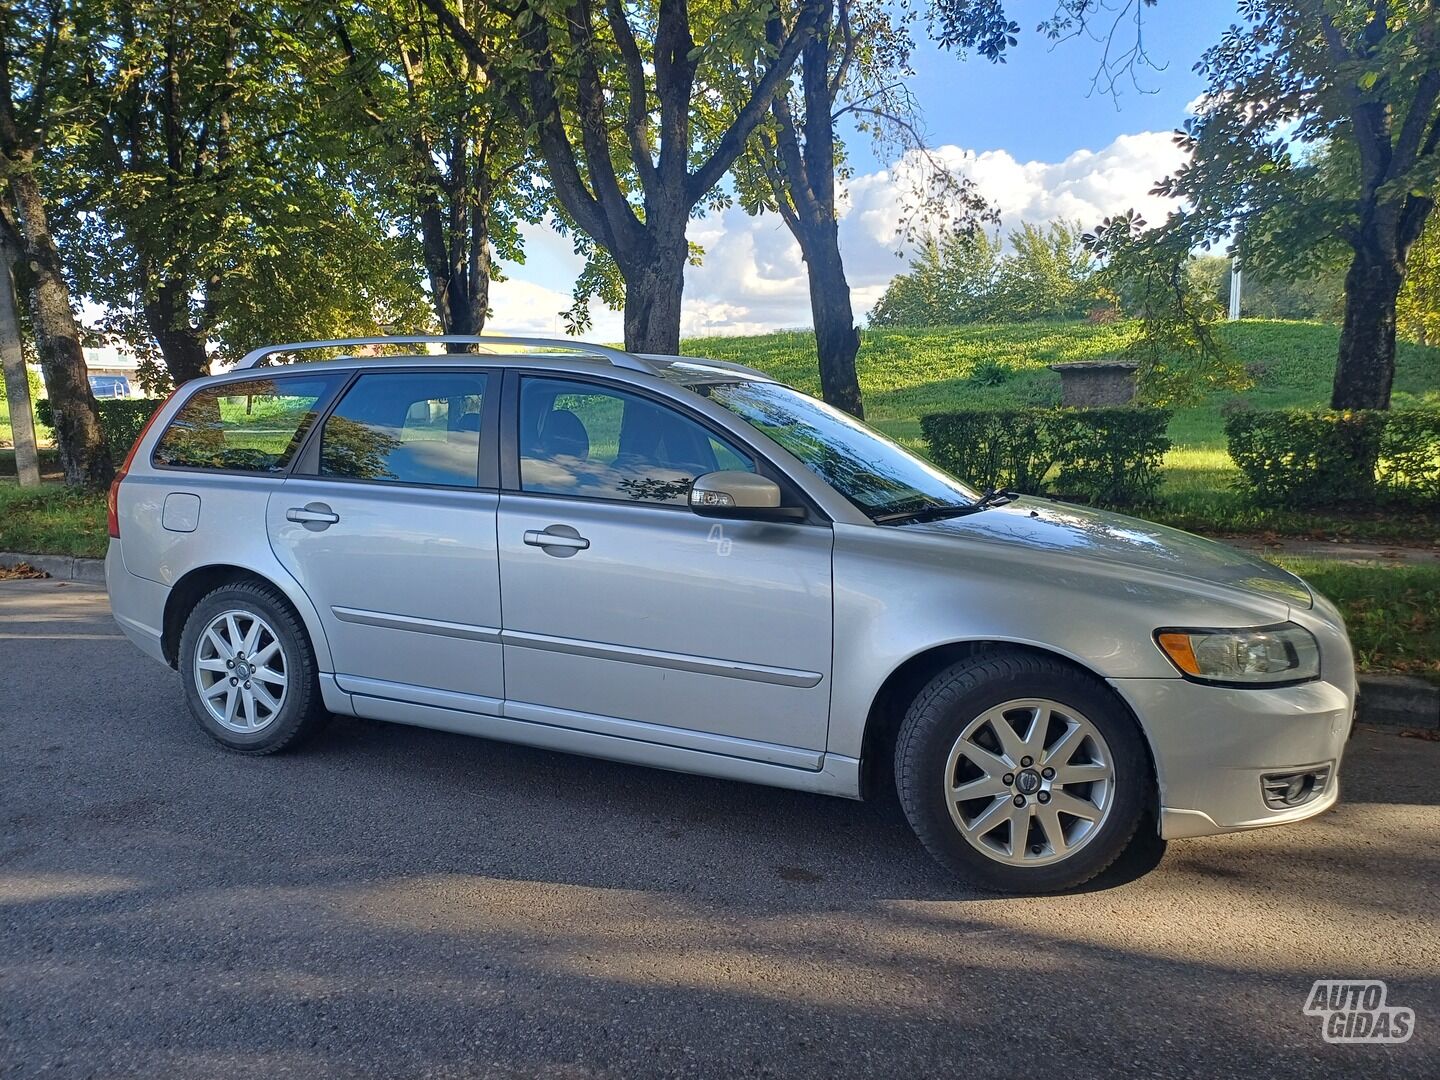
(1317, 135)
(206, 195)
(431, 133)
(636, 114)
(1037, 273)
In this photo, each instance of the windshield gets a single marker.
(878, 476)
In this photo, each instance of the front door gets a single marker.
(389, 532)
(624, 613)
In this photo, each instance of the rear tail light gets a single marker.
(112, 503)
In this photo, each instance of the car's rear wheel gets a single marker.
(1021, 773)
(249, 671)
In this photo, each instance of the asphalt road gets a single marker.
(395, 901)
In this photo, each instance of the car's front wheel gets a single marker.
(1021, 773)
(248, 670)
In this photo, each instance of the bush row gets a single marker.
(121, 420)
(1110, 457)
(1298, 458)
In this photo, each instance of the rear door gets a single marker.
(388, 522)
(625, 613)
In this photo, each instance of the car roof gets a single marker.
(684, 370)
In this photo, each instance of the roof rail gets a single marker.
(705, 361)
(618, 357)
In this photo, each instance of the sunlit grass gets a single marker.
(1392, 612)
(7, 433)
(52, 519)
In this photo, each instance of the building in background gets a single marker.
(112, 372)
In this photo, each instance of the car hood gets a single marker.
(1061, 529)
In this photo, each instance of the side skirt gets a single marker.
(837, 775)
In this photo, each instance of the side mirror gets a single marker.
(735, 494)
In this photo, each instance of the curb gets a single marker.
(1398, 701)
(60, 567)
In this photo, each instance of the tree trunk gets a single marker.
(653, 290)
(83, 454)
(1365, 368)
(168, 318)
(478, 273)
(836, 338)
(184, 352)
(457, 263)
(803, 181)
(17, 381)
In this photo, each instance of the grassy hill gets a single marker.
(907, 373)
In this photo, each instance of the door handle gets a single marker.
(570, 540)
(312, 514)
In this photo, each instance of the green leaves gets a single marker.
(1106, 456)
(1044, 274)
(1315, 147)
(1300, 458)
(207, 194)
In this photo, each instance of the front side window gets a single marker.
(878, 476)
(578, 438)
(250, 426)
(409, 428)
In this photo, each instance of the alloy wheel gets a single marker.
(1029, 782)
(241, 671)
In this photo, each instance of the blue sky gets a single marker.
(1030, 133)
(1036, 105)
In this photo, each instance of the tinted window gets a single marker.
(421, 428)
(877, 475)
(580, 439)
(250, 426)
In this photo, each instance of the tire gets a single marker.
(952, 762)
(274, 687)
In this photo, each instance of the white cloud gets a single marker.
(753, 278)
(533, 310)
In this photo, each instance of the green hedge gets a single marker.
(1109, 457)
(1298, 458)
(121, 420)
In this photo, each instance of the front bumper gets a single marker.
(1214, 745)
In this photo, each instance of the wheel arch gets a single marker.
(904, 683)
(201, 580)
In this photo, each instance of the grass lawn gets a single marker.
(52, 519)
(7, 438)
(907, 373)
(1392, 612)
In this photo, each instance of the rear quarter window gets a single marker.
(250, 426)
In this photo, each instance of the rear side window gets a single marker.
(250, 426)
(408, 428)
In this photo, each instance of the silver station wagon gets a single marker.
(686, 564)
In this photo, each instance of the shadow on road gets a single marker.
(396, 900)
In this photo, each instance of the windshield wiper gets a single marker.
(936, 513)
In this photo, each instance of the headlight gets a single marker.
(1275, 654)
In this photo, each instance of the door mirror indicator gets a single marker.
(735, 494)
